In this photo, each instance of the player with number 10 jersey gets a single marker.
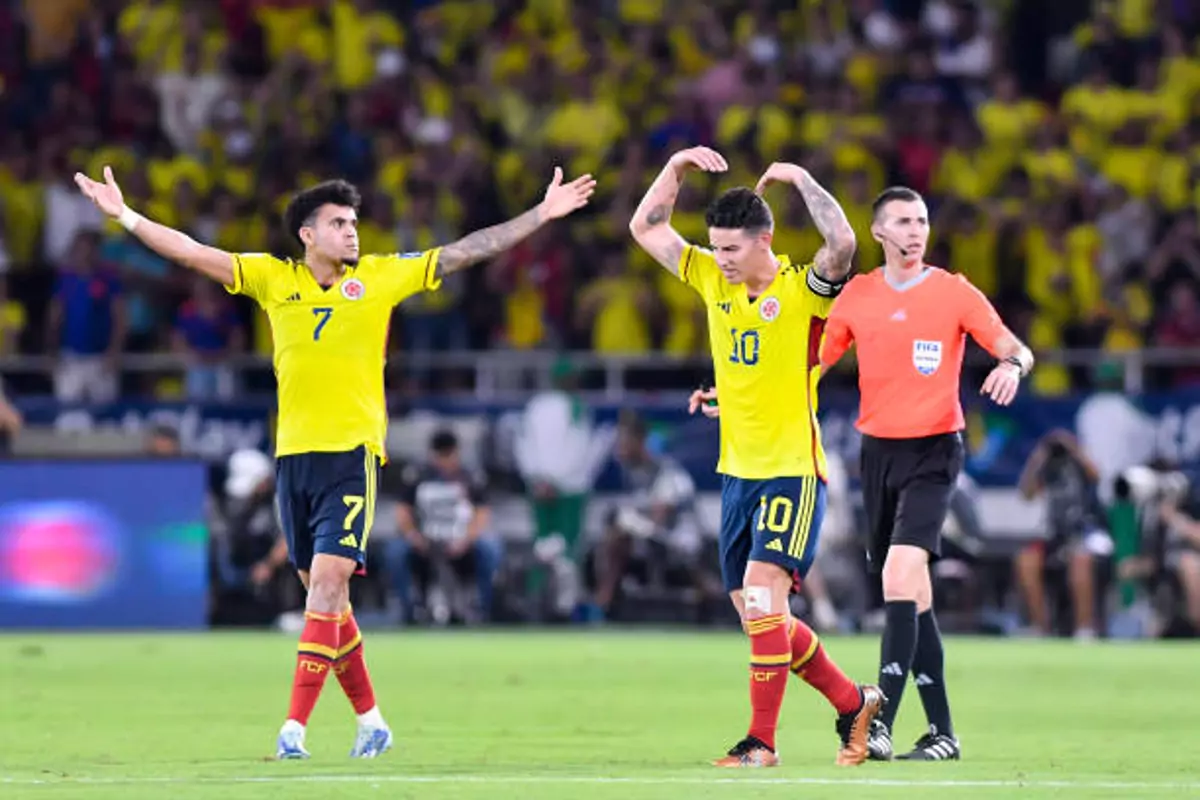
(765, 317)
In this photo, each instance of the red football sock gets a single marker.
(351, 667)
(315, 654)
(770, 656)
(813, 665)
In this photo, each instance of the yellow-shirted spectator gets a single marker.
(616, 308)
(147, 26)
(166, 173)
(23, 205)
(1060, 273)
(1050, 165)
(968, 170)
(1093, 110)
(1163, 112)
(973, 240)
(357, 37)
(1179, 71)
(12, 320)
(1007, 119)
(1134, 18)
(1050, 379)
(295, 30)
(588, 125)
(771, 124)
(1174, 179)
(1131, 162)
(524, 314)
(686, 321)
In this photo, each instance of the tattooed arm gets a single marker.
(487, 242)
(650, 225)
(561, 199)
(833, 260)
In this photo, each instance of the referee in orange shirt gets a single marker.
(910, 321)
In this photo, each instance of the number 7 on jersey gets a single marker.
(322, 314)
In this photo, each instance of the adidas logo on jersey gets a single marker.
(775, 545)
(899, 316)
(726, 307)
(892, 669)
(292, 298)
(348, 541)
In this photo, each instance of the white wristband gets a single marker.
(129, 218)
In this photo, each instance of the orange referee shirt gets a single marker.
(910, 340)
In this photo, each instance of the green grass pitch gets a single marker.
(570, 714)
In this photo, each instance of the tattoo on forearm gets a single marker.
(835, 257)
(658, 215)
(485, 243)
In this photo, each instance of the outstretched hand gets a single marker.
(563, 198)
(107, 195)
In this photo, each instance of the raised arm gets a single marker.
(561, 199)
(833, 260)
(169, 243)
(651, 223)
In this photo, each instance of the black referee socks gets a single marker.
(896, 653)
(927, 667)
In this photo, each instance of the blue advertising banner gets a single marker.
(103, 544)
(999, 439)
(207, 430)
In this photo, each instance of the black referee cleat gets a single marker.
(934, 746)
(879, 742)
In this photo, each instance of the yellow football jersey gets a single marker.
(766, 357)
(330, 344)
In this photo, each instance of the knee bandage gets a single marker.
(757, 600)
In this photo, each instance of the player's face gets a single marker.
(738, 252)
(903, 223)
(334, 234)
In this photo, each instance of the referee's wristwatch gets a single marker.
(1016, 362)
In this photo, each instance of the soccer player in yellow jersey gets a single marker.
(329, 318)
(766, 316)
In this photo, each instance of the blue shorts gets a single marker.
(776, 520)
(327, 504)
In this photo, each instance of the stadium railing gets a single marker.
(496, 373)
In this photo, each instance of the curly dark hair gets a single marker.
(304, 205)
(739, 208)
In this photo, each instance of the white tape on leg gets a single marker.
(758, 599)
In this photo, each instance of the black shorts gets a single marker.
(327, 504)
(907, 485)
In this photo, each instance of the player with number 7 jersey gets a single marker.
(766, 316)
(329, 314)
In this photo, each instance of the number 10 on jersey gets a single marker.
(744, 348)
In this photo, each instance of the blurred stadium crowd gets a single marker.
(1059, 145)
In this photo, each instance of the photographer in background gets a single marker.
(1059, 471)
(443, 518)
(652, 530)
(1179, 511)
(247, 546)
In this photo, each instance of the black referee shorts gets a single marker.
(907, 485)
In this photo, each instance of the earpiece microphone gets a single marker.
(895, 244)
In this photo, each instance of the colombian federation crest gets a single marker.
(353, 289)
(926, 356)
(769, 308)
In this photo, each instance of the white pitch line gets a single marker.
(605, 780)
